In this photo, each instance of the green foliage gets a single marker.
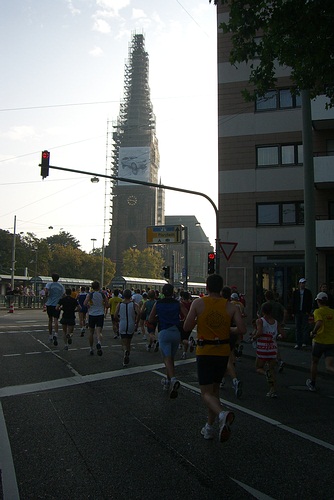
(147, 263)
(294, 33)
(59, 253)
(62, 238)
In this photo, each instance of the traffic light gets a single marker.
(45, 162)
(211, 262)
(166, 270)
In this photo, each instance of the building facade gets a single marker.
(196, 254)
(261, 183)
(135, 156)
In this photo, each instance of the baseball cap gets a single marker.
(302, 280)
(235, 296)
(322, 296)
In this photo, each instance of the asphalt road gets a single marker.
(74, 426)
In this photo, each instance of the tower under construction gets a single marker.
(135, 156)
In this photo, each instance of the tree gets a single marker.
(64, 239)
(294, 33)
(150, 263)
(145, 264)
(130, 262)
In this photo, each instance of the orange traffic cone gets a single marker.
(11, 308)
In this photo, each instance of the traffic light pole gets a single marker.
(160, 186)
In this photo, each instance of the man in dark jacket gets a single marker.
(302, 303)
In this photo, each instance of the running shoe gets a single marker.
(91, 352)
(156, 347)
(225, 421)
(191, 344)
(69, 338)
(184, 355)
(310, 385)
(165, 384)
(238, 388)
(82, 332)
(66, 348)
(281, 366)
(99, 349)
(149, 347)
(207, 432)
(126, 358)
(116, 337)
(174, 387)
(55, 340)
(272, 394)
(222, 383)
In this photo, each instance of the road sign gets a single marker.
(227, 247)
(163, 234)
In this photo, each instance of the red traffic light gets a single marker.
(45, 163)
(211, 256)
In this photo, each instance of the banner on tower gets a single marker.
(134, 164)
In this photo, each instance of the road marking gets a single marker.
(84, 379)
(8, 477)
(255, 493)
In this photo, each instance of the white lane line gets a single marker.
(256, 493)
(83, 379)
(8, 477)
(265, 419)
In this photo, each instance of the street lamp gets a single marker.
(93, 240)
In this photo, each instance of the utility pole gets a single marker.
(309, 204)
(13, 255)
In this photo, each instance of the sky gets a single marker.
(62, 66)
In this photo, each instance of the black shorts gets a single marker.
(211, 369)
(67, 321)
(94, 321)
(322, 349)
(53, 312)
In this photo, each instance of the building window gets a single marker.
(282, 154)
(331, 210)
(280, 214)
(277, 99)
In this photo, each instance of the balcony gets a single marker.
(324, 172)
(324, 230)
(322, 118)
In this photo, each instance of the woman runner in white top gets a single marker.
(128, 313)
(266, 351)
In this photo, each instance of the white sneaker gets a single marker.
(225, 420)
(174, 387)
(184, 355)
(165, 384)
(311, 387)
(238, 388)
(207, 432)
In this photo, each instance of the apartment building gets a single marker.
(261, 183)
